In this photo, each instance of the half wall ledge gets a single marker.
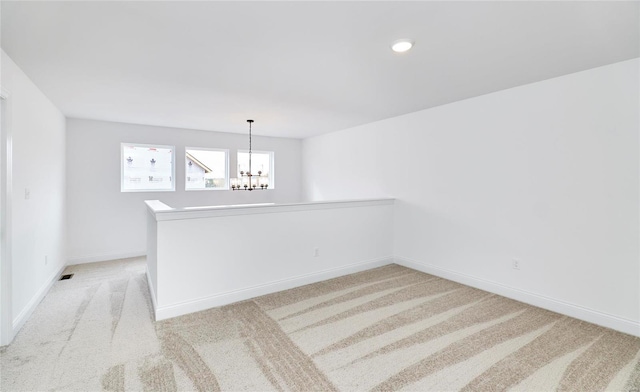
(202, 257)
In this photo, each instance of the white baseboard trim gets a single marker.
(106, 257)
(593, 316)
(27, 311)
(152, 291)
(175, 310)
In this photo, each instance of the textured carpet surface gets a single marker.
(386, 329)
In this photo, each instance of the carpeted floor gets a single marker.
(386, 329)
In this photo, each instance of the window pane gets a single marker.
(206, 169)
(147, 168)
(260, 161)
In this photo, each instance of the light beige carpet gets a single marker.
(386, 329)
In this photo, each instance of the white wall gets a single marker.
(206, 258)
(38, 223)
(104, 223)
(546, 173)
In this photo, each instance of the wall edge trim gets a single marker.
(27, 311)
(579, 312)
(203, 303)
(106, 257)
(152, 294)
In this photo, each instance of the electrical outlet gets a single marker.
(316, 252)
(27, 193)
(46, 259)
(516, 264)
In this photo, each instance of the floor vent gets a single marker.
(66, 277)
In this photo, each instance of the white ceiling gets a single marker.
(300, 68)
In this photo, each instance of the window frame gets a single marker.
(272, 167)
(173, 167)
(227, 179)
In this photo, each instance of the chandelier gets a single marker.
(247, 180)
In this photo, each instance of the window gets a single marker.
(260, 161)
(206, 169)
(146, 168)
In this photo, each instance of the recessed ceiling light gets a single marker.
(402, 45)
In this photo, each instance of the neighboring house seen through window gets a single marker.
(146, 168)
(260, 161)
(206, 169)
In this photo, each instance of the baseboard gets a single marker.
(593, 316)
(106, 257)
(175, 310)
(152, 291)
(27, 311)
